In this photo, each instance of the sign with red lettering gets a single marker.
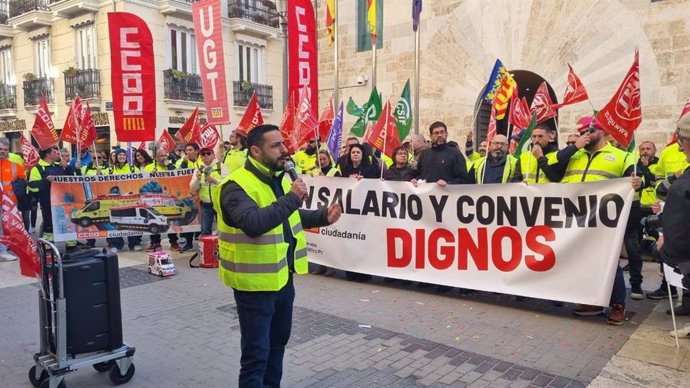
(133, 77)
(209, 36)
(302, 51)
(558, 242)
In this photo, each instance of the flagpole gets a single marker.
(336, 94)
(385, 138)
(373, 64)
(416, 80)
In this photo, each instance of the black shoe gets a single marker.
(662, 293)
(680, 311)
(187, 247)
(636, 292)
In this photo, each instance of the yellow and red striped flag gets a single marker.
(330, 21)
(371, 16)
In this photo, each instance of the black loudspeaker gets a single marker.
(92, 292)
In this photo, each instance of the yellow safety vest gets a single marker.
(607, 163)
(257, 263)
(126, 169)
(206, 189)
(671, 160)
(508, 169)
(304, 162)
(235, 160)
(529, 166)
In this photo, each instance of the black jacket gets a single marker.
(553, 172)
(441, 162)
(676, 223)
(396, 174)
(241, 211)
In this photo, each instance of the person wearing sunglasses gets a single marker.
(205, 180)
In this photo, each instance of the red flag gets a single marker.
(623, 113)
(326, 120)
(686, 109)
(208, 136)
(286, 127)
(28, 152)
(305, 121)
(133, 77)
(542, 104)
(575, 91)
(44, 131)
(166, 141)
(302, 47)
(142, 146)
(17, 239)
(191, 127)
(252, 117)
(491, 129)
(72, 123)
(88, 126)
(208, 29)
(384, 135)
(519, 112)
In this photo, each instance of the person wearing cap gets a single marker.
(598, 161)
(236, 158)
(121, 167)
(176, 154)
(205, 181)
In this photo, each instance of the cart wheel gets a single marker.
(103, 366)
(46, 384)
(149, 269)
(32, 376)
(118, 379)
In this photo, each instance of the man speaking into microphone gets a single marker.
(261, 245)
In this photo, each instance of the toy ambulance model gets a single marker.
(160, 263)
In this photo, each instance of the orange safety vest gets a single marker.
(9, 171)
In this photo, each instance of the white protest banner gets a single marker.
(550, 241)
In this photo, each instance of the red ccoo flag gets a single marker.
(384, 135)
(71, 129)
(491, 129)
(17, 239)
(29, 153)
(519, 112)
(191, 127)
(286, 127)
(252, 117)
(305, 122)
(542, 104)
(44, 131)
(88, 127)
(166, 141)
(623, 113)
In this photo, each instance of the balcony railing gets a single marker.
(20, 7)
(242, 93)
(37, 88)
(182, 86)
(84, 83)
(8, 96)
(265, 13)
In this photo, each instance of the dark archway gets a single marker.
(527, 82)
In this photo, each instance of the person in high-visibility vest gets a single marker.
(205, 181)
(599, 161)
(498, 166)
(261, 245)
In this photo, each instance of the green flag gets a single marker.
(353, 109)
(631, 147)
(370, 111)
(403, 113)
(526, 139)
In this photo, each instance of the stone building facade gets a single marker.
(461, 39)
(61, 48)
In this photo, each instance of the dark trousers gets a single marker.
(265, 324)
(618, 292)
(631, 240)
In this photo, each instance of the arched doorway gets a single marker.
(527, 82)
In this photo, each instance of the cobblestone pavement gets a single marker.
(345, 334)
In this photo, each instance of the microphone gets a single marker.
(290, 170)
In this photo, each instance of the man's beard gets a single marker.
(497, 154)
